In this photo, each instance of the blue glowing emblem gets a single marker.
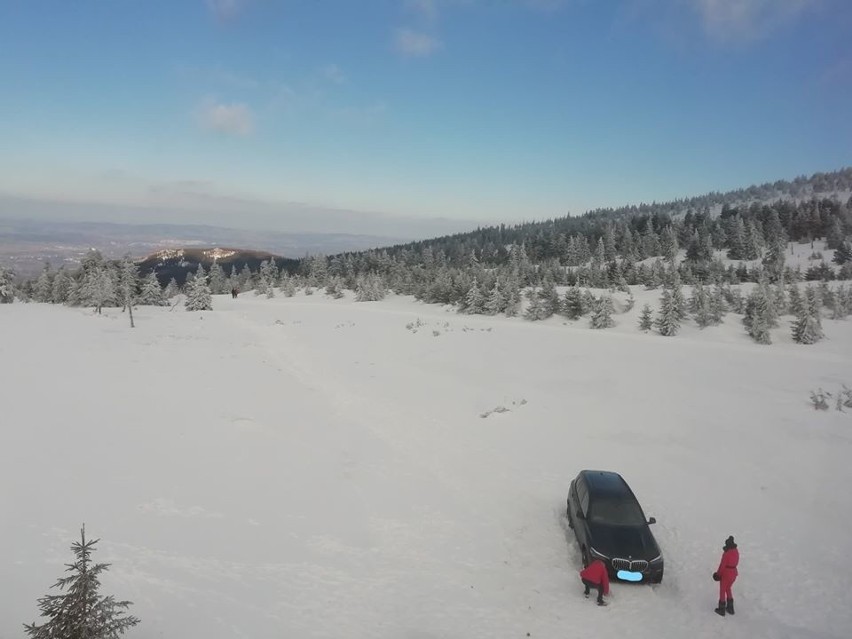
(626, 575)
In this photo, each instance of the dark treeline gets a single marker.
(627, 246)
(812, 218)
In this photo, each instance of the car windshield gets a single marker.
(616, 512)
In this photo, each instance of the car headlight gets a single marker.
(657, 560)
(596, 554)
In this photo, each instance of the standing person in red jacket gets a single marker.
(595, 576)
(726, 575)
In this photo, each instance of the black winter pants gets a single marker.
(589, 585)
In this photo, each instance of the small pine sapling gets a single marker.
(819, 399)
(81, 612)
(646, 320)
(846, 394)
(572, 304)
(668, 318)
(602, 313)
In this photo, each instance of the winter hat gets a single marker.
(729, 543)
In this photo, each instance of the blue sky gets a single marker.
(271, 113)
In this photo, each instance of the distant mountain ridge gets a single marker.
(26, 244)
(177, 263)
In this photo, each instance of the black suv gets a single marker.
(609, 525)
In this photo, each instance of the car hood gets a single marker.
(623, 541)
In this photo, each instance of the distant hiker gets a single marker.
(234, 292)
(596, 576)
(726, 575)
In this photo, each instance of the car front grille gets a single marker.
(636, 565)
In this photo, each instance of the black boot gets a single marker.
(721, 609)
(730, 607)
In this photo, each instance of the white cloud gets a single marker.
(226, 10)
(361, 115)
(234, 119)
(412, 43)
(747, 19)
(216, 76)
(545, 5)
(427, 8)
(167, 508)
(333, 73)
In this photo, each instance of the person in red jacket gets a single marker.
(596, 576)
(726, 575)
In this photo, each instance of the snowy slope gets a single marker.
(307, 467)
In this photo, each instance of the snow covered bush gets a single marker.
(699, 305)
(151, 293)
(7, 294)
(218, 281)
(630, 302)
(268, 278)
(61, 286)
(473, 302)
(43, 289)
(758, 316)
(602, 313)
(819, 399)
(334, 288)
(844, 397)
(807, 329)
(572, 303)
(370, 288)
(288, 285)
(646, 321)
(496, 302)
(172, 289)
(536, 309)
(668, 318)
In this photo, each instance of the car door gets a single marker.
(581, 505)
(571, 501)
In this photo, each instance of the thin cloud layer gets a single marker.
(428, 9)
(414, 44)
(232, 119)
(747, 19)
(226, 10)
(333, 73)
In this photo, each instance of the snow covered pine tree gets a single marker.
(7, 294)
(198, 296)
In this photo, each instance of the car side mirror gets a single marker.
(652, 521)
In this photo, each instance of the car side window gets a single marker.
(583, 497)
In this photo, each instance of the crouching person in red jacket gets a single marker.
(595, 576)
(726, 575)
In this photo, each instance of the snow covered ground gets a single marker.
(308, 467)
